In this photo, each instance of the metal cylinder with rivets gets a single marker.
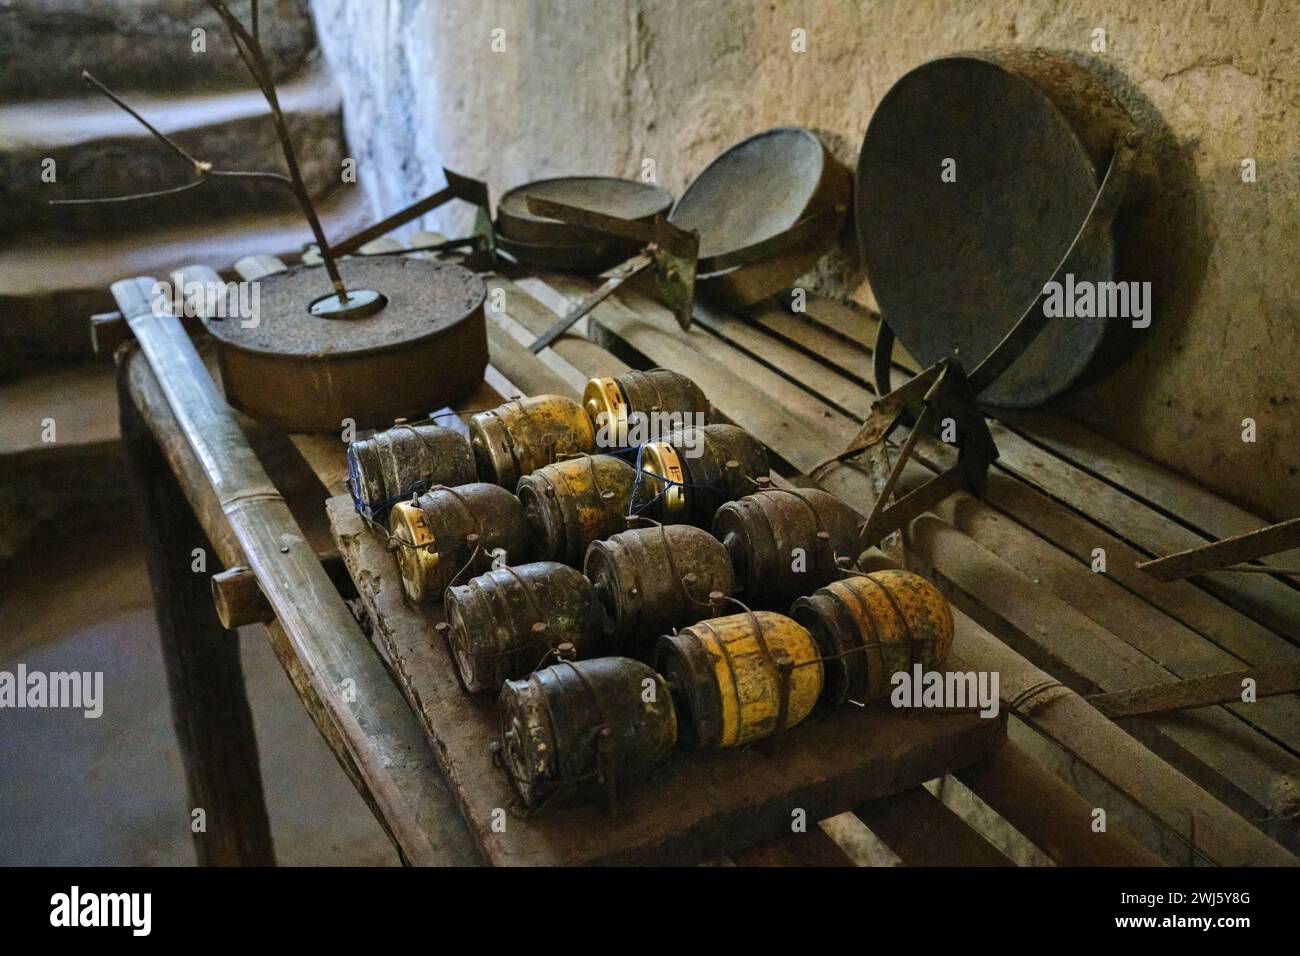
(521, 436)
(447, 532)
(583, 728)
(572, 503)
(740, 678)
(405, 460)
(871, 626)
(704, 468)
(785, 542)
(653, 580)
(614, 403)
(505, 623)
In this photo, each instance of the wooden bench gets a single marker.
(1216, 784)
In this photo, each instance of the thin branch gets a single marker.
(250, 51)
(132, 196)
(166, 140)
(204, 168)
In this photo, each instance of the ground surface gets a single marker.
(110, 791)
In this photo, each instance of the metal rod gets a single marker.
(617, 277)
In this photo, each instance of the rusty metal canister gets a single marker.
(583, 727)
(519, 437)
(712, 464)
(504, 623)
(739, 678)
(871, 626)
(784, 542)
(403, 461)
(653, 580)
(613, 404)
(572, 503)
(451, 531)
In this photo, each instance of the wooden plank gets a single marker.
(1184, 809)
(1096, 595)
(372, 723)
(1246, 770)
(205, 679)
(924, 832)
(651, 337)
(1269, 601)
(1194, 506)
(1049, 814)
(701, 805)
(813, 848)
(519, 305)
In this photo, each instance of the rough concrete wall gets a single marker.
(597, 87)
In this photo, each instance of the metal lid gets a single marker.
(624, 198)
(424, 300)
(954, 263)
(751, 192)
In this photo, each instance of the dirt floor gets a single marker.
(110, 791)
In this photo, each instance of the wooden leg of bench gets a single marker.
(210, 712)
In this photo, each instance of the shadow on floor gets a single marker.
(110, 791)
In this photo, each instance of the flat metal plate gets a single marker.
(953, 264)
(756, 189)
(624, 198)
(425, 300)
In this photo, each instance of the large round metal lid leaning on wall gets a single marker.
(976, 174)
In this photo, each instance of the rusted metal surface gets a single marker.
(869, 627)
(1222, 555)
(508, 622)
(938, 396)
(786, 542)
(581, 728)
(711, 465)
(740, 678)
(404, 461)
(1199, 692)
(448, 532)
(519, 437)
(572, 503)
(1034, 137)
(653, 580)
(539, 240)
(307, 373)
(620, 398)
(766, 210)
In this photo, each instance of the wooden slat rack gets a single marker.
(1213, 785)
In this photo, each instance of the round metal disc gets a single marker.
(953, 264)
(624, 198)
(754, 190)
(426, 348)
(424, 299)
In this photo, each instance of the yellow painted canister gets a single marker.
(871, 626)
(572, 503)
(614, 403)
(519, 437)
(739, 678)
(450, 531)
